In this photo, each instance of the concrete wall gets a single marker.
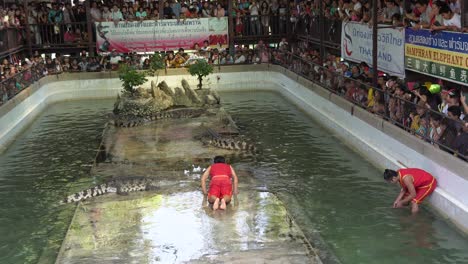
(380, 142)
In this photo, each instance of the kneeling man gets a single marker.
(416, 184)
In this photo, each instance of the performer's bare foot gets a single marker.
(223, 204)
(216, 204)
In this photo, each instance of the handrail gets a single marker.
(290, 57)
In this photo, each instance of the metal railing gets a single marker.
(308, 28)
(11, 39)
(401, 110)
(59, 35)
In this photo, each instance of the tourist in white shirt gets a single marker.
(116, 15)
(452, 21)
(106, 14)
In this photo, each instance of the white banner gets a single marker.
(356, 45)
(160, 35)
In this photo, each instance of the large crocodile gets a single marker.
(211, 137)
(168, 114)
(121, 185)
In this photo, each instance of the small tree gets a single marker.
(130, 78)
(156, 64)
(200, 68)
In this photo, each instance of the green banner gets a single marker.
(450, 73)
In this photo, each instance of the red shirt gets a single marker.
(421, 178)
(220, 169)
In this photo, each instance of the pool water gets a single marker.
(337, 197)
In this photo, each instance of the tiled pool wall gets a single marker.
(384, 144)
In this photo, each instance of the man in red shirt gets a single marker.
(416, 184)
(222, 179)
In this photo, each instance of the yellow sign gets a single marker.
(454, 59)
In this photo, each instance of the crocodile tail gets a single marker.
(89, 193)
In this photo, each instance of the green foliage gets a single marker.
(156, 64)
(200, 68)
(130, 78)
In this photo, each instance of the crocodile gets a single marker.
(121, 185)
(168, 114)
(214, 139)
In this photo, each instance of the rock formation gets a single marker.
(161, 97)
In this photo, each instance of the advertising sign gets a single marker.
(356, 45)
(160, 35)
(440, 54)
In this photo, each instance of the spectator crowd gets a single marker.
(439, 118)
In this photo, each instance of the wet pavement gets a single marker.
(174, 223)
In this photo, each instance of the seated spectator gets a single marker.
(240, 58)
(74, 66)
(93, 64)
(141, 14)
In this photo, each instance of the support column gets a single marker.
(161, 9)
(231, 26)
(374, 42)
(90, 28)
(321, 29)
(28, 27)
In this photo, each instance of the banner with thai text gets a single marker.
(439, 54)
(161, 35)
(356, 45)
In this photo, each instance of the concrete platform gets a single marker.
(174, 224)
(179, 227)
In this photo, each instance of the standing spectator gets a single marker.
(455, 6)
(265, 19)
(68, 15)
(389, 11)
(116, 15)
(274, 19)
(219, 11)
(254, 19)
(176, 8)
(154, 15)
(427, 15)
(451, 21)
(206, 11)
(460, 145)
(106, 14)
(167, 11)
(96, 15)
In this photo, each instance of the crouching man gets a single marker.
(416, 185)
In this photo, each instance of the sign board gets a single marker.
(160, 35)
(356, 45)
(439, 54)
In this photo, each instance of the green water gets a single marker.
(336, 196)
(52, 155)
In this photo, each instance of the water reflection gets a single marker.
(332, 191)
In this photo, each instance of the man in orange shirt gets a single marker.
(416, 185)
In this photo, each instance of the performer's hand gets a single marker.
(236, 191)
(398, 204)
